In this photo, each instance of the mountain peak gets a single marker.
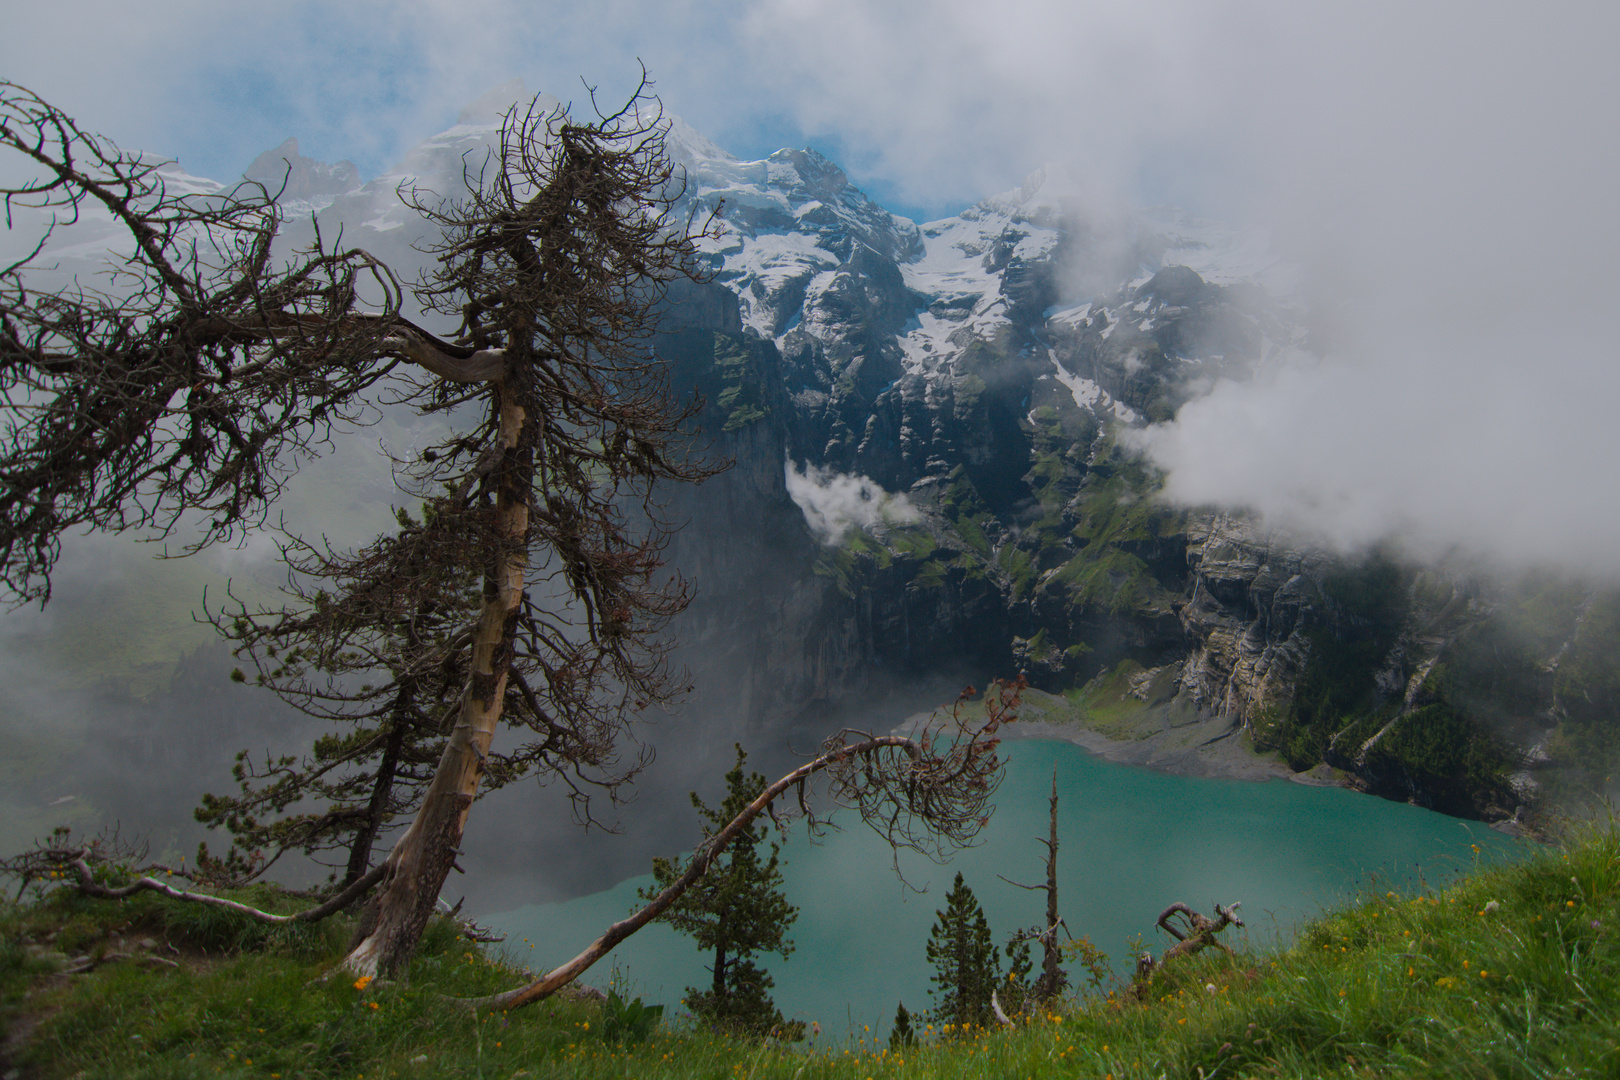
(691, 147)
(296, 177)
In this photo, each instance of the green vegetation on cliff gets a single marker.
(1432, 744)
(1587, 690)
(1338, 688)
(737, 363)
(966, 512)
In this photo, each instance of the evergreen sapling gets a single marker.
(737, 911)
(967, 965)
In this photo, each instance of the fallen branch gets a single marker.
(64, 860)
(90, 963)
(999, 1013)
(88, 885)
(898, 782)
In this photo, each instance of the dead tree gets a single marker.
(1052, 979)
(930, 792)
(190, 389)
(557, 260)
(1198, 934)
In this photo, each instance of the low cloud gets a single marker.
(1501, 466)
(1437, 172)
(1441, 173)
(833, 502)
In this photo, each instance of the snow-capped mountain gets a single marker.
(892, 334)
(951, 404)
(958, 396)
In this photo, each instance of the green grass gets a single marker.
(1512, 972)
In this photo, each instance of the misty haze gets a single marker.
(1239, 381)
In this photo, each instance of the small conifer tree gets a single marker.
(1016, 988)
(736, 910)
(967, 965)
(901, 1036)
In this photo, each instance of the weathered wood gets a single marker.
(1198, 935)
(902, 785)
(88, 885)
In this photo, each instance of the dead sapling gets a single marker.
(1053, 979)
(1199, 934)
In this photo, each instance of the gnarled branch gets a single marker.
(918, 783)
(1197, 935)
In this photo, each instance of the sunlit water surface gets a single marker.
(1131, 842)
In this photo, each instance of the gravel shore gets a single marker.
(1155, 738)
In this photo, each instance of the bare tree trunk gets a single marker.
(424, 855)
(1051, 981)
(382, 787)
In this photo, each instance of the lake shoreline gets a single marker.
(1206, 748)
(1167, 741)
(1219, 755)
(1133, 842)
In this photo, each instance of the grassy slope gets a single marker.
(1513, 972)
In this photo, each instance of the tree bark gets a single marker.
(1051, 981)
(424, 855)
(382, 787)
(719, 973)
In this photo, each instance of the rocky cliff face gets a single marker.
(1246, 616)
(957, 400)
(987, 369)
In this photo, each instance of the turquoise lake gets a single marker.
(1131, 842)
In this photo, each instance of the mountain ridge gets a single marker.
(990, 372)
(991, 369)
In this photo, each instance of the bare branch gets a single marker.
(58, 862)
(941, 790)
(1197, 934)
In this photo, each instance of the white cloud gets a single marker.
(1442, 170)
(1505, 464)
(835, 502)
(216, 83)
